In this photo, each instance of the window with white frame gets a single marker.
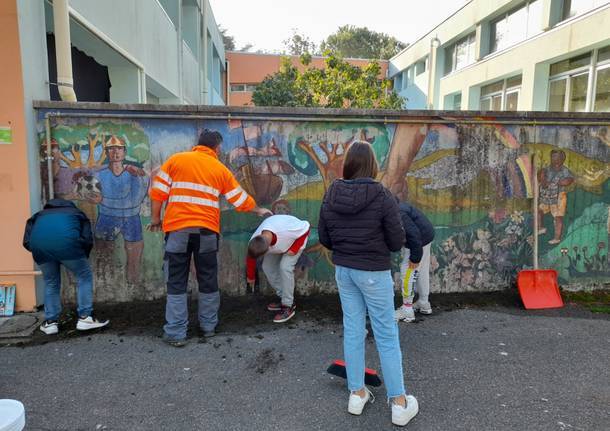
(581, 83)
(405, 78)
(241, 88)
(453, 102)
(572, 8)
(460, 54)
(517, 25)
(420, 66)
(398, 82)
(501, 95)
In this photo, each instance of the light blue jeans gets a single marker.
(372, 290)
(51, 273)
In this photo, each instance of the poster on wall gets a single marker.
(6, 135)
(7, 299)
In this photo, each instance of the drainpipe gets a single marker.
(63, 54)
(47, 124)
(434, 45)
(228, 83)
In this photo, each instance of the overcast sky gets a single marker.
(266, 23)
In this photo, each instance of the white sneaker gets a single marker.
(49, 327)
(356, 402)
(402, 415)
(406, 314)
(422, 307)
(90, 322)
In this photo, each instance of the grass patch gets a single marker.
(597, 301)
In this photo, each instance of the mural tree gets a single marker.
(316, 149)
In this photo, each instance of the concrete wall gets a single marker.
(125, 23)
(472, 178)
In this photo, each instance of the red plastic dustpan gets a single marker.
(538, 288)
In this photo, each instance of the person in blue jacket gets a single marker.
(415, 266)
(58, 235)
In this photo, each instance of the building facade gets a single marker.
(136, 51)
(246, 70)
(507, 55)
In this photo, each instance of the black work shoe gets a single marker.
(174, 342)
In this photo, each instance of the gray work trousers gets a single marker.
(279, 270)
(180, 246)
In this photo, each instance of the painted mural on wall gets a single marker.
(473, 180)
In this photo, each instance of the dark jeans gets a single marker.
(180, 247)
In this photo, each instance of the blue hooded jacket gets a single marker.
(59, 232)
(418, 230)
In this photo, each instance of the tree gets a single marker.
(227, 40)
(298, 44)
(339, 85)
(246, 48)
(360, 42)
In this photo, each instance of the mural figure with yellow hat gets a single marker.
(123, 189)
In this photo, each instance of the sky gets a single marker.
(266, 23)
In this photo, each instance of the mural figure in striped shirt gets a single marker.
(123, 190)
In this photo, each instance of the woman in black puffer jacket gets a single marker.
(360, 223)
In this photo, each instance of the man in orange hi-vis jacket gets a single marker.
(191, 184)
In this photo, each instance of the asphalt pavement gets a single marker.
(490, 368)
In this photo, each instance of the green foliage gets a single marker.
(227, 40)
(298, 44)
(360, 42)
(339, 85)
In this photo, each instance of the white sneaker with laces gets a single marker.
(356, 402)
(402, 415)
(49, 327)
(422, 307)
(404, 313)
(89, 322)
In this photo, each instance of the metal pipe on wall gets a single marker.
(63, 50)
(434, 44)
(47, 125)
(327, 119)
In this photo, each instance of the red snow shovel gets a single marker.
(538, 288)
(337, 368)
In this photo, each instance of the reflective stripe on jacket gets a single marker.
(192, 182)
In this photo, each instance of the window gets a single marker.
(517, 25)
(501, 95)
(420, 66)
(240, 88)
(405, 78)
(602, 90)
(460, 54)
(453, 102)
(581, 83)
(571, 8)
(557, 95)
(398, 82)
